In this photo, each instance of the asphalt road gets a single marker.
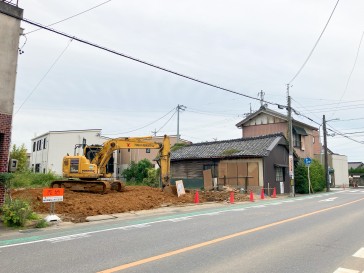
(317, 233)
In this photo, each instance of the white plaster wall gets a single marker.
(58, 145)
(340, 165)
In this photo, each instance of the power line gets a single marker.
(329, 104)
(134, 58)
(166, 122)
(75, 15)
(168, 70)
(142, 126)
(210, 113)
(314, 47)
(350, 119)
(351, 72)
(344, 107)
(45, 75)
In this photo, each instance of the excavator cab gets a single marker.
(91, 151)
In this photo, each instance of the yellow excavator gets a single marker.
(92, 172)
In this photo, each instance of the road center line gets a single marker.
(221, 239)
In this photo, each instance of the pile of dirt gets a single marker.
(76, 206)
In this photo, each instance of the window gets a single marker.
(37, 168)
(296, 140)
(147, 150)
(279, 174)
(298, 134)
(34, 146)
(74, 165)
(44, 143)
(39, 145)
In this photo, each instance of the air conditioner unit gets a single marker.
(13, 165)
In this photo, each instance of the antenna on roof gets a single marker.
(261, 96)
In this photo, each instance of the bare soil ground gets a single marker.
(76, 206)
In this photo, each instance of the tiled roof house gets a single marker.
(250, 163)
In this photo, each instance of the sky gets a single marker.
(244, 46)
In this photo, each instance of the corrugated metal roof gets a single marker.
(234, 148)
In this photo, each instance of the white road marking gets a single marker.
(328, 199)
(274, 204)
(213, 213)
(345, 270)
(180, 219)
(241, 209)
(359, 253)
(134, 226)
(68, 238)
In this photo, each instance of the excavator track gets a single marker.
(94, 186)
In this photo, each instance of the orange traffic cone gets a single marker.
(197, 199)
(231, 197)
(274, 193)
(262, 194)
(251, 196)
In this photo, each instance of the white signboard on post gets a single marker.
(180, 188)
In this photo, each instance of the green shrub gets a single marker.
(41, 224)
(137, 171)
(6, 180)
(317, 177)
(152, 178)
(15, 213)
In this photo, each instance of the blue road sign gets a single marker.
(307, 161)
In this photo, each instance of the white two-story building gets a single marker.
(48, 150)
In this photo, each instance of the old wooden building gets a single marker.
(248, 163)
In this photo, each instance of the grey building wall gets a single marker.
(9, 44)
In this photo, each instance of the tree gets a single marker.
(317, 177)
(20, 154)
(138, 172)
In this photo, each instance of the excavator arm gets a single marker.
(84, 175)
(103, 156)
(164, 162)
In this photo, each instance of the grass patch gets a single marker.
(32, 180)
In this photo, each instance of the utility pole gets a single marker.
(179, 108)
(325, 154)
(290, 143)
